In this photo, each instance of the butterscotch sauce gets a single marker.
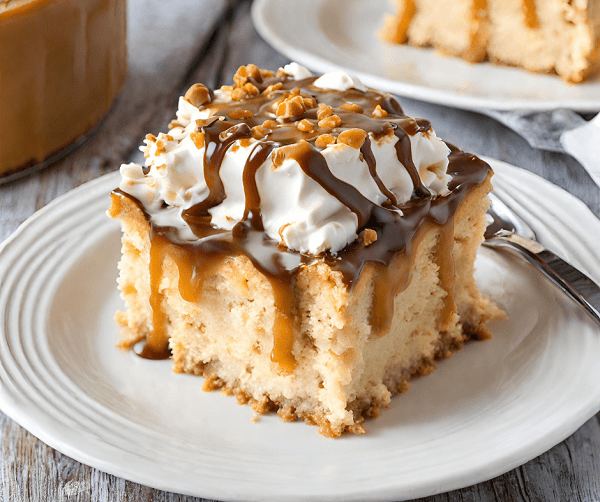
(478, 32)
(530, 13)
(157, 343)
(62, 62)
(445, 262)
(398, 227)
(400, 34)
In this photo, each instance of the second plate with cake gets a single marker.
(343, 36)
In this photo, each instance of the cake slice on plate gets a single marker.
(561, 36)
(301, 243)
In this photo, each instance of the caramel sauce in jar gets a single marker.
(62, 63)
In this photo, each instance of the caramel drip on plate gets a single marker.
(530, 13)
(399, 228)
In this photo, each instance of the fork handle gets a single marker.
(578, 286)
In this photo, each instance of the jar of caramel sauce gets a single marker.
(62, 63)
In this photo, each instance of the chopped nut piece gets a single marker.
(226, 88)
(379, 112)
(295, 92)
(367, 236)
(280, 73)
(324, 111)
(284, 97)
(198, 139)
(324, 140)
(169, 137)
(352, 137)
(238, 94)
(305, 126)
(270, 124)
(251, 89)
(273, 87)
(245, 72)
(330, 122)
(160, 147)
(267, 73)
(151, 137)
(309, 103)
(240, 114)
(352, 107)
(198, 95)
(260, 132)
(203, 122)
(292, 107)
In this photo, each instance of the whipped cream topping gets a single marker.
(296, 209)
(339, 81)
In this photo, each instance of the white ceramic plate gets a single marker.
(491, 407)
(327, 35)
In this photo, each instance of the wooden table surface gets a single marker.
(171, 46)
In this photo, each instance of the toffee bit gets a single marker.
(324, 140)
(379, 112)
(352, 107)
(198, 139)
(324, 111)
(240, 114)
(305, 126)
(272, 88)
(330, 122)
(198, 95)
(367, 237)
(292, 107)
(352, 137)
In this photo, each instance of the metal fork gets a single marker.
(509, 231)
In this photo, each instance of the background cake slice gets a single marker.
(559, 36)
(301, 243)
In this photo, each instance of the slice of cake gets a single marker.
(301, 243)
(561, 36)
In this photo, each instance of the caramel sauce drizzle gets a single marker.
(157, 343)
(391, 254)
(445, 262)
(530, 13)
(401, 31)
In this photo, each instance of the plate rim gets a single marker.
(450, 98)
(21, 416)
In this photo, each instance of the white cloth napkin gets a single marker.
(558, 131)
(583, 143)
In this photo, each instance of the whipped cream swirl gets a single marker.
(296, 210)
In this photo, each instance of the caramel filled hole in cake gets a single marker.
(547, 36)
(301, 243)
